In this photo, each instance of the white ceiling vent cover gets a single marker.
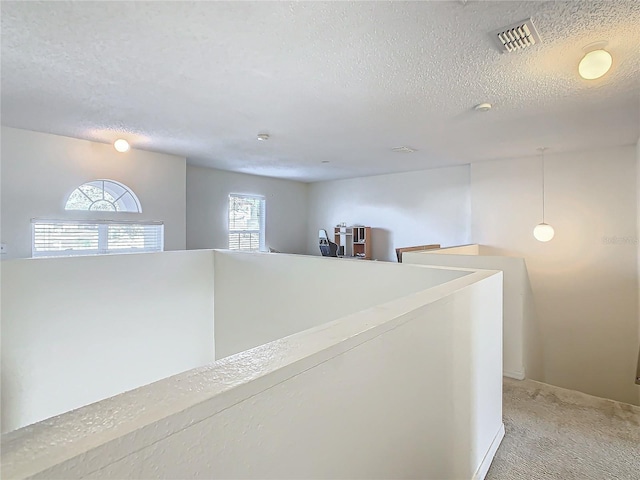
(518, 36)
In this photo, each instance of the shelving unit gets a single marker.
(353, 241)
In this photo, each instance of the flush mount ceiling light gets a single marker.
(543, 232)
(263, 137)
(121, 145)
(403, 149)
(596, 62)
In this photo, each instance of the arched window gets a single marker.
(103, 196)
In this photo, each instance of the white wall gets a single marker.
(40, 170)
(208, 208)
(411, 389)
(638, 250)
(260, 298)
(405, 209)
(79, 329)
(585, 280)
(522, 356)
(473, 249)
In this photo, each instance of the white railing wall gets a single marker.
(410, 388)
(78, 330)
(522, 356)
(260, 298)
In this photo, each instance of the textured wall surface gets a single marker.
(308, 405)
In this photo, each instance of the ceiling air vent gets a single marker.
(518, 36)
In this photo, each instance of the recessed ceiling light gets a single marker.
(482, 107)
(595, 64)
(263, 137)
(403, 149)
(121, 145)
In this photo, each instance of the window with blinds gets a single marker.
(246, 222)
(52, 238)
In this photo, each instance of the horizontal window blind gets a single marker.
(67, 238)
(246, 222)
(244, 241)
(52, 237)
(137, 236)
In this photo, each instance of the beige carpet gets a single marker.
(553, 433)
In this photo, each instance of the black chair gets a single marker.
(327, 247)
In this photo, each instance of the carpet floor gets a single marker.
(553, 433)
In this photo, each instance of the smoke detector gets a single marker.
(403, 149)
(482, 107)
(518, 36)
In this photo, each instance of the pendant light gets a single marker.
(543, 231)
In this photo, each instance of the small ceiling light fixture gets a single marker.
(596, 61)
(403, 149)
(121, 145)
(482, 107)
(263, 137)
(543, 232)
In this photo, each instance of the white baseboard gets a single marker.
(515, 375)
(482, 470)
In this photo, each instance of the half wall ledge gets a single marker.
(420, 375)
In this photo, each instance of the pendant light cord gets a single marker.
(542, 149)
(543, 189)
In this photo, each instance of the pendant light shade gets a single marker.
(543, 232)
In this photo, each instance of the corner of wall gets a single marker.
(638, 257)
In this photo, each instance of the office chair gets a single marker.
(327, 247)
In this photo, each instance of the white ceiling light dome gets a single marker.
(595, 64)
(121, 145)
(543, 232)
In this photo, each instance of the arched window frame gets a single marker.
(103, 195)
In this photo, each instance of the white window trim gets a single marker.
(261, 231)
(103, 247)
(105, 188)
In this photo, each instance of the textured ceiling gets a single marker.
(342, 82)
